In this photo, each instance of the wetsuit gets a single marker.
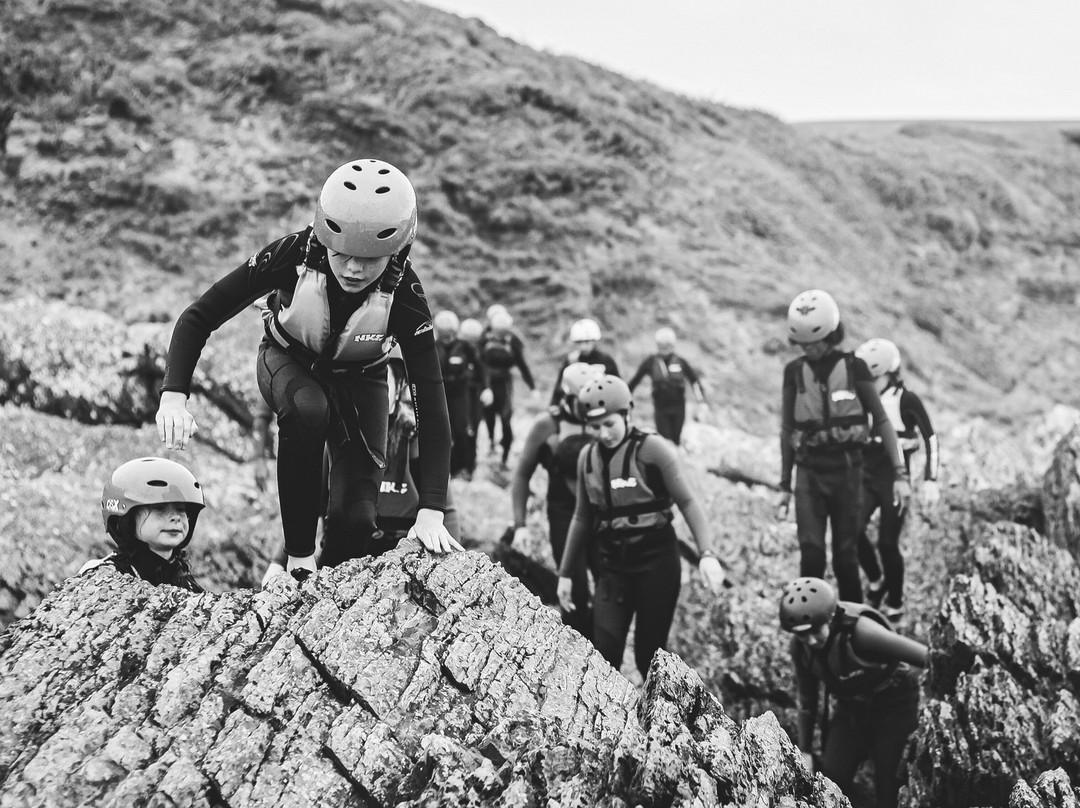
(825, 410)
(622, 520)
(593, 357)
(908, 416)
(501, 352)
(669, 375)
(459, 361)
(141, 562)
(870, 672)
(554, 441)
(321, 400)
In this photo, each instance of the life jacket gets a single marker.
(561, 457)
(907, 438)
(457, 365)
(846, 675)
(668, 378)
(624, 504)
(497, 351)
(828, 413)
(301, 324)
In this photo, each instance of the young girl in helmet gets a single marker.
(908, 416)
(554, 441)
(149, 506)
(828, 403)
(867, 668)
(627, 482)
(342, 293)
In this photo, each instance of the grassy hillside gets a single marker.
(152, 146)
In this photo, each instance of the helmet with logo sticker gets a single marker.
(604, 396)
(149, 481)
(880, 355)
(812, 316)
(366, 208)
(806, 604)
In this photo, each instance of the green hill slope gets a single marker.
(152, 146)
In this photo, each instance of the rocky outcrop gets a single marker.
(403, 680)
(1050, 790)
(1061, 494)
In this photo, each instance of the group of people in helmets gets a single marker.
(343, 297)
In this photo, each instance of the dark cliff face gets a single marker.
(405, 680)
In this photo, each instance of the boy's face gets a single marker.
(163, 527)
(355, 273)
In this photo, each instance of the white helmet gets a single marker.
(366, 208)
(665, 336)
(502, 321)
(446, 321)
(812, 316)
(577, 375)
(471, 329)
(585, 331)
(495, 308)
(880, 355)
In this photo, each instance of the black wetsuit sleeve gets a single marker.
(787, 425)
(661, 455)
(640, 373)
(914, 416)
(694, 380)
(874, 642)
(410, 324)
(577, 536)
(273, 267)
(542, 428)
(518, 347)
(556, 392)
(866, 390)
(612, 366)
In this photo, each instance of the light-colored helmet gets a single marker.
(806, 604)
(604, 396)
(150, 481)
(585, 331)
(502, 321)
(665, 336)
(366, 208)
(880, 355)
(471, 329)
(446, 322)
(494, 309)
(812, 316)
(577, 375)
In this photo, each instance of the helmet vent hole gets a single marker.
(351, 186)
(384, 170)
(383, 189)
(333, 225)
(386, 233)
(357, 168)
(157, 483)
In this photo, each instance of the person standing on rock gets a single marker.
(149, 506)
(627, 482)
(554, 441)
(342, 294)
(909, 418)
(870, 672)
(669, 375)
(827, 404)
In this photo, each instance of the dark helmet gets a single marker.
(149, 481)
(806, 604)
(604, 396)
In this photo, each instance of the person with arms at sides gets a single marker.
(502, 350)
(670, 375)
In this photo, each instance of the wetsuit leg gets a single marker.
(303, 416)
(457, 406)
(654, 595)
(892, 525)
(665, 422)
(894, 721)
(810, 518)
(612, 613)
(845, 510)
(845, 748)
(506, 412)
(558, 527)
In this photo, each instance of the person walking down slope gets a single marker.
(554, 441)
(459, 364)
(908, 416)
(670, 375)
(827, 403)
(150, 506)
(585, 334)
(868, 669)
(627, 482)
(343, 293)
(501, 351)
(471, 332)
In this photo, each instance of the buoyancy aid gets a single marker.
(624, 504)
(907, 438)
(668, 378)
(301, 323)
(845, 673)
(829, 412)
(561, 458)
(497, 351)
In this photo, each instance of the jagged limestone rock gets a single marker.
(1052, 789)
(403, 680)
(1061, 493)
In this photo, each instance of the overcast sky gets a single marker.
(807, 60)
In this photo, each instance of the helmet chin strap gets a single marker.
(394, 271)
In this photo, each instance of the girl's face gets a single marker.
(162, 527)
(816, 637)
(815, 350)
(609, 430)
(355, 273)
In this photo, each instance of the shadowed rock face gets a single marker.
(405, 680)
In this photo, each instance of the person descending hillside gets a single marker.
(149, 506)
(585, 334)
(502, 350)
(343, 292)
(827, 403)
(627, 481)
(554, 441)
(908, 416)
(459, 364)
(669, 375)
(471, 331)
(868, 669)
